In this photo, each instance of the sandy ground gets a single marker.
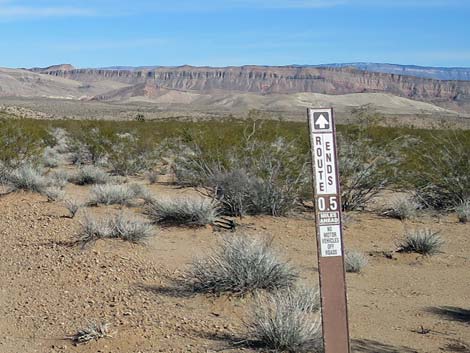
(51, 288)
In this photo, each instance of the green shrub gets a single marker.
(365, 170)
(442, 176)
(22, 142)
(256, 178)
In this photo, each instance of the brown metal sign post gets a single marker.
(329, 230)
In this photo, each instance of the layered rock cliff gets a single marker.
(260, 79)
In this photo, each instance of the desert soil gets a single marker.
(51, 288)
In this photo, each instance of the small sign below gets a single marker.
(330, 240)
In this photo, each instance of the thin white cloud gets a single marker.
(24, 11)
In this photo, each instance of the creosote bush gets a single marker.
(422, 241)
(22, 142)
(281, 322)
(402, 208)
(121, 226)
(354, 261)
(240, 265)
(365, 170)
(182, 211)
(442, 177)
(463, 211)
(116, 194)
(255, 177)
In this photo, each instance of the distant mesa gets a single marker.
(53, 68)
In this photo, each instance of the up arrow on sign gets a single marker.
(322, 122)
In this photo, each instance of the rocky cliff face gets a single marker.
(259, 79)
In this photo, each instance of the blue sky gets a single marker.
(97, 33)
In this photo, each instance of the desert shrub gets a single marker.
(129, 155)
(280, 322)
(421, 241)
(72, 206)
(365, 170)
(152, 176)
(90, 174)
(442, 177)
(21, 142)
(79, 153)
(124, 152)
(59, 178)
(182, 211)
(61, 140)
(354, 261)
(25, 177)
(53, 193)
(50, 157)
(240, 265)
(234, 190)
(115, 194)
(122, 226)
(463, 211)
(256, 177)
(402, 208)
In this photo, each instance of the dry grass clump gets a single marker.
(240, 265)
(402, 208)
(281, 322)
(354, 261)
(463, 211)
(182, 211)
(90, 174)
(422, 241)
(93, 331)
(115, 194)
(121, 226)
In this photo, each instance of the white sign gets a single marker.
(325, 166)
(330, 240)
